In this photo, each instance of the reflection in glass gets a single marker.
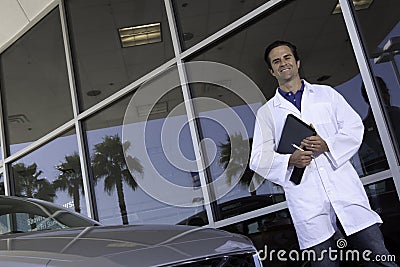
(103, 66)
(316, 36)
(271, 232)
(29, 183)
(382, 41)
(385, 201)
(70, 179)
(35, 85)
(109, 163)
(200, 19)
(371, 154)
(234, 168)
(119, 166)
(20, 215)
(2, 189)
(52, 173)
(231, 130)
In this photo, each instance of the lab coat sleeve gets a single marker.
(348, 137)
(264, 160)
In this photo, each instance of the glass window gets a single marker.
(35, 86)
(318, 34)
(28, 215)
(136, 151)
(52, 173)
(371, 157)
(2, 189)
(199, 19)
(105, 63)
(228, 123)
(382, 41)
(385, 201)
(271, 233)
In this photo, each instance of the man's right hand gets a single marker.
(300, 158)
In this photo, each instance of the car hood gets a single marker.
(145, 245)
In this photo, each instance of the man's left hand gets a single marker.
(315, 144)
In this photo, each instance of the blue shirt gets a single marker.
(295, 99)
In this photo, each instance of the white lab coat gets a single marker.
(330, 184)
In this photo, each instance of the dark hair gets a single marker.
(277, 43)
(381, 86)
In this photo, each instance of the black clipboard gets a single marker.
(293, 132)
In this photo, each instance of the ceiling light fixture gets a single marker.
(358, 5)
(93, 93)
(187, 36)
(147, 110)
(140, 35)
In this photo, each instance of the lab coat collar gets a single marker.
(308, 86)
(280, 101)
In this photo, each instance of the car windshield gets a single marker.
(26, 215)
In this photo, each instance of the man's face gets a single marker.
(283, 63)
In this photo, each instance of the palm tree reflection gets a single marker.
(108, 162)
(70, 179)
(235, 161)
(28, 183)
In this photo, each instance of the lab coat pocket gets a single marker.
(321, 113)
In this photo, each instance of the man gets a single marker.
(330, 189)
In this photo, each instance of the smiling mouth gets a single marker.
(286, 69)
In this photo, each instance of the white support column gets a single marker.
(189, 110)
(367, 76)
(89, 194)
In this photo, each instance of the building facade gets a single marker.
(134, 111)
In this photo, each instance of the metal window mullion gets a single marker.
(251, 214)
(367, 76)
(53, 133)
(68, 59)
(83, 157)
(231, 27)
(40, 142)
(6, 164)
(189, 111)
(6, 173)
(87, 186)
(29, 25)
(376, 177)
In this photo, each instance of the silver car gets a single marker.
(38, 233)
